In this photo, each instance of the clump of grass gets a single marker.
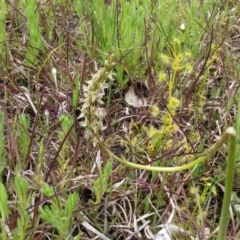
(3, 34)
(34, 36)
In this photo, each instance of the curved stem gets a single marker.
(152, 168)
(198, 158)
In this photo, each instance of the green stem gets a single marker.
(196, 159)
(172, 84)
(225, 215)
(152, 168)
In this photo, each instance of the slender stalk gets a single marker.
(196, 159)
(225, 215)
(152, 168)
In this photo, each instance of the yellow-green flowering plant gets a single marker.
(180, 65)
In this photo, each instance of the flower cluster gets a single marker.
(92, 110)
(179, 62)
